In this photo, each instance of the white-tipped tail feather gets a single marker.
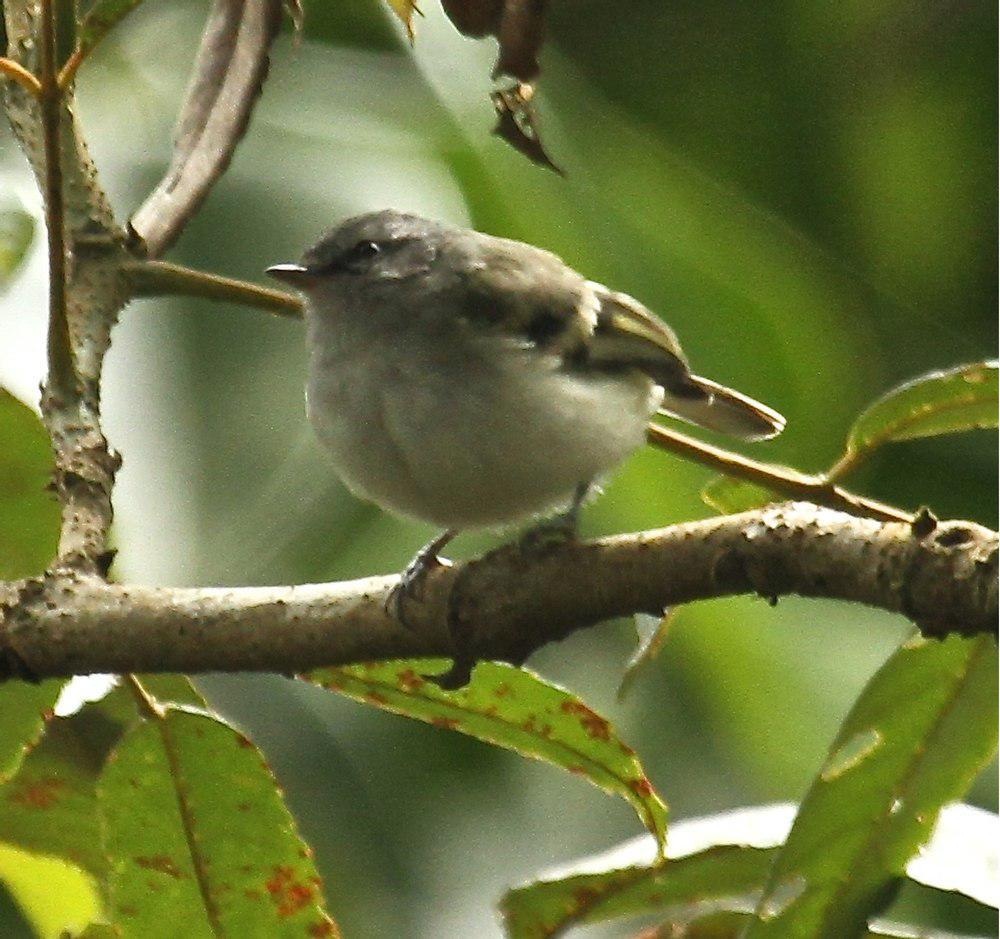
(725, 411)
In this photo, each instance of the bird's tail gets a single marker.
(724, 410)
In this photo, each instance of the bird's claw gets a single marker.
(413, 580)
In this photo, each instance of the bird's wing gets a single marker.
(529, 296)
(626, 333)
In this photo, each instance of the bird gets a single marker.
(472, 381)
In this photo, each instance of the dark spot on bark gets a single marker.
(954, 536)
(104, 560)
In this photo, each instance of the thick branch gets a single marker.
(70, 623)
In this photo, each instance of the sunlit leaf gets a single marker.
(947, 402)
(24, 709)
(49, 806)
(512, 708)
(728, 496)
(29, 515)
(16, 230)
(54, 896)
(196, 832)
(915, 738)
(99, 20)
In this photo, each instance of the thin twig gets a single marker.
(161, 278)
(780, 479)
(62, 373)
(72, 66)
(21, 75)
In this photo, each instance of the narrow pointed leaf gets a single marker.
(196, 832)
(512, 708)
(16, 230)
(24, 710)
(915, 738)
(711, 864)
(29, 515)
(731, 874)
(946, 402)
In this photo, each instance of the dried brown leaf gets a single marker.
(517, 123)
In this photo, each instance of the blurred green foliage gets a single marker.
(806, 191)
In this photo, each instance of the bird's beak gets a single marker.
(295, 275)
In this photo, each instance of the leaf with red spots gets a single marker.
(547, 907)
(512, 708)
(49, 806)
(24, 710)
(197, 832)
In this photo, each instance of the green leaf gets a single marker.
(716, 861)
(727, 495)
(99, 20)
(915, 738)
(197, 832)
(711, 863)
(512, 708)
(55, 897)
(947, 402)
(727, 873)
(24, 710)
(17, 228)
(49, 807)
(29, 515)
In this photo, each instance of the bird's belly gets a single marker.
(483, 444)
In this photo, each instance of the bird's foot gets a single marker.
(414, 579)
(550, 534)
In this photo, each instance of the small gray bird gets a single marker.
(473, 381)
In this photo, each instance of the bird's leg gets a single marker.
(411, 583)
(559, 528)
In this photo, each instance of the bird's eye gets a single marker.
(361, 252)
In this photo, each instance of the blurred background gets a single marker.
(805, 190)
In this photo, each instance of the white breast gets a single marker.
(469, 433)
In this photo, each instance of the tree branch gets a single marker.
(72, 623)
(162, 278)
(781, 479)
(61, 384)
